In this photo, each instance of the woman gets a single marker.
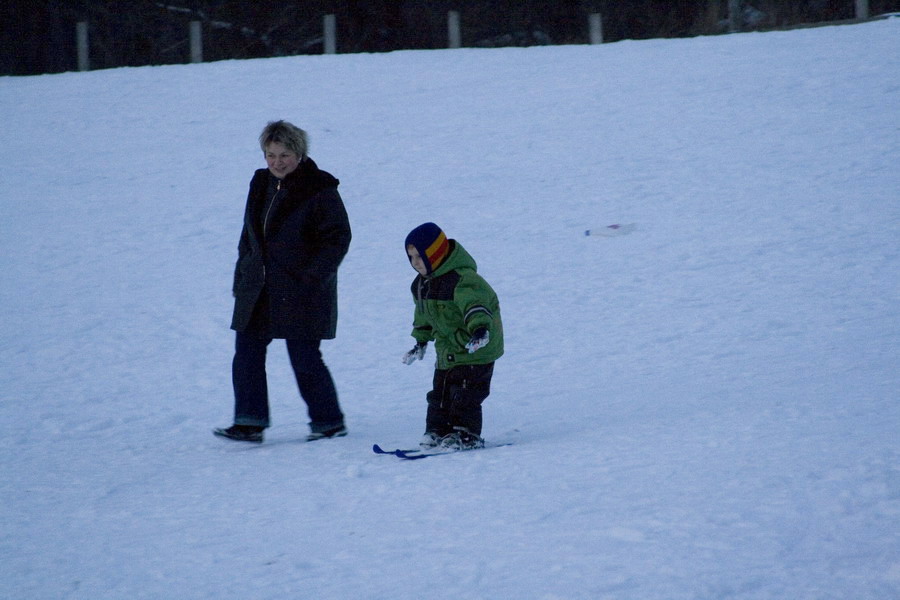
(295, 234)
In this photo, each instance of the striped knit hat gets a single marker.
(431, 243)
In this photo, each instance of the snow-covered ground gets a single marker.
(704, 408)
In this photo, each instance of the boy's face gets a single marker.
(416, 260)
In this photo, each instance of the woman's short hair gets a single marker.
(293, 138)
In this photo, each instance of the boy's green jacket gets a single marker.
(451, 304)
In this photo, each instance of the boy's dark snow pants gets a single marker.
(456, 397)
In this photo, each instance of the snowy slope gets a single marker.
(704, 408)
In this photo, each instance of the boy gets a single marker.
(459, 310)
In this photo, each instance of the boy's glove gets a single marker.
(479, 339)
(417, 353)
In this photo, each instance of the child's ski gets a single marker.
(379, 450)
(416, 454)
(420, 453)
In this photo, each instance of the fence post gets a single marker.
(81, 41)
(455, 39)
(196, 42)
(329, 25)
(734, 15)
(596, 28)
(862, 9)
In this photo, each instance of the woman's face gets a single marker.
(281, 161)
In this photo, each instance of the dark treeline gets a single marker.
(39, 36)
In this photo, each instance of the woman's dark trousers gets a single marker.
(251, 396)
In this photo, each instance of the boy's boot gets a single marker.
(462, 439)
(430, 440)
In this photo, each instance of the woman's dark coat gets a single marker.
(295, 260)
